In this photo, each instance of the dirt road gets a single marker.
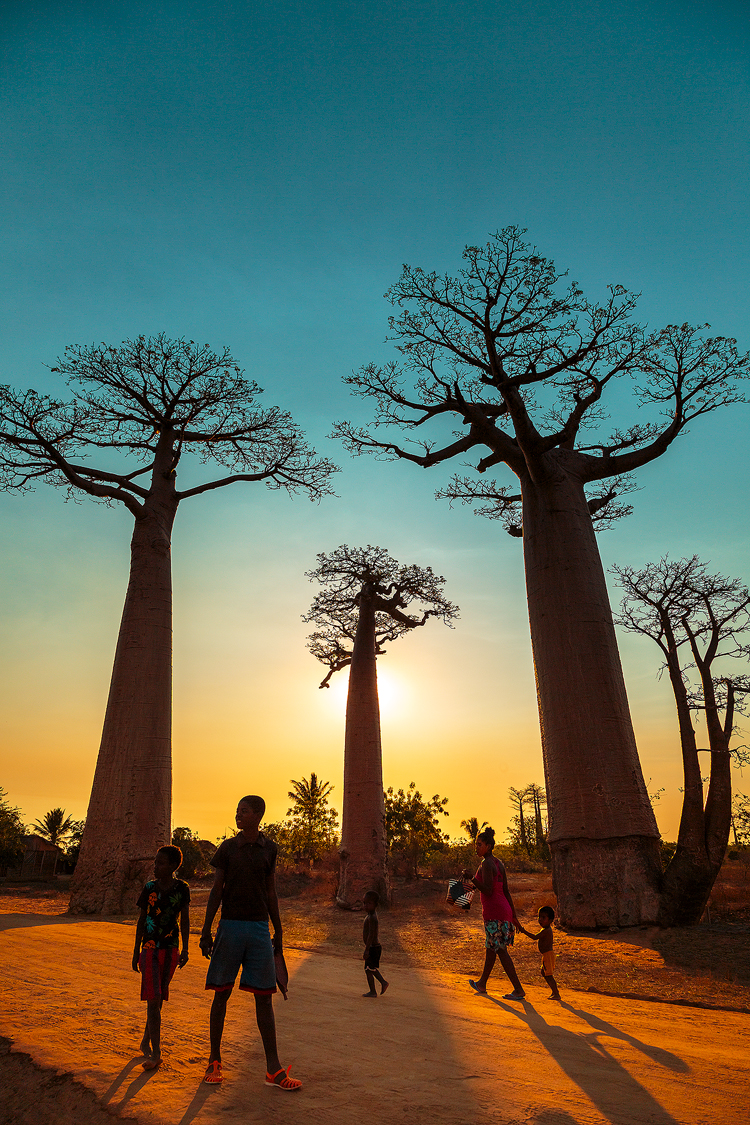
(428, 1051)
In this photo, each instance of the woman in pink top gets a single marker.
(498, 913)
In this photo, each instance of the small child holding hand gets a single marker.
(545, 939)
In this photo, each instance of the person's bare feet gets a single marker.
(383, 987)
(370, 995)
(151, 1063)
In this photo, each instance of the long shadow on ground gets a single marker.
(36, 1095)
(357, 1057)
(604, 1080)
(18, 921)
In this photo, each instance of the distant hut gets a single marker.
(40, 859)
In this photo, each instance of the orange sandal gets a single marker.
(213, 1072)
(282, 1081)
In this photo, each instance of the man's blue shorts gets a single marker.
(246, 944)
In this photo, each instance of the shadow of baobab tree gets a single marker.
(396, 1054)
(586, 1061)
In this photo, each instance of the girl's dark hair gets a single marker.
(548, 911)
(487, 836)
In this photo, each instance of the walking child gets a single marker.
(373, 948)
(545, 939)
(245, 888)
(164, 917)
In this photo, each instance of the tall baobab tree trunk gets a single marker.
(602, 831)
(719, 796)
(129, 814)
(690, 874)
(363, 847)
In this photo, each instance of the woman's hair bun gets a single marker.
(487, 836)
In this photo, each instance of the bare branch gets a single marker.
(492, 500)
(473, 345)
(148, 395)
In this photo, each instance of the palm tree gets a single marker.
(55, 826)
(472, 827)
(317, 822)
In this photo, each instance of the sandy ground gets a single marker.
(428, 1051)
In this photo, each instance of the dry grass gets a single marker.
(730, 897)
(704, 964)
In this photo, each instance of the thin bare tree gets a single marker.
(142, 407)
(360, 609)
(506, 366)
(518, 798)
(699, 621)
(537, 800)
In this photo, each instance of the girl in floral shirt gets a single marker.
(165, 915)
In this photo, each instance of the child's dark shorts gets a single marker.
(245, 945)
(373, 957)
(157, 969)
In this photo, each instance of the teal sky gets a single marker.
(256, 179)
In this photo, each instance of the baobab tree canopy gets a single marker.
(348, 571)
(509, 365)
(524, 365)
(140, 407)
(152, 399)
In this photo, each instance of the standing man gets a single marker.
(245, 886)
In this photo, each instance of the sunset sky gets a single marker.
(255, 176)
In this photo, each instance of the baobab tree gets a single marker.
(360, 609)
(687, 610)
(504, 365)
(142, 406)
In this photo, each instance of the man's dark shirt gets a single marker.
(246, 868)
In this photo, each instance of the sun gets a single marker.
(391, 693)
